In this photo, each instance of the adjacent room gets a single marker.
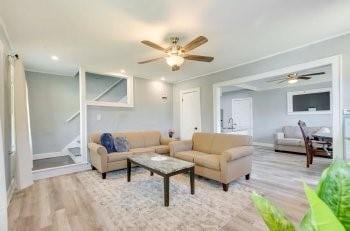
(269, 110)
(174, 115)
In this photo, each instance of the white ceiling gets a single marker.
(105, 35)
(263, 84)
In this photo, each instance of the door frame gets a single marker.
(3, 191)
(336, 63)
(196, 89)
(251, 112)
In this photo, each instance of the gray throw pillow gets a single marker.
(121, 144)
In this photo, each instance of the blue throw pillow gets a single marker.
(121, 144)
(108, 142)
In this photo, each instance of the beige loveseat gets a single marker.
(290, 139)
(140, 142)
(221, 157)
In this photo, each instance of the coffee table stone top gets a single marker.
(161, 163)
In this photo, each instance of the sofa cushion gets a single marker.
(151, 138)
(188, 155)
(292, 132)
(211, 161)
(118, 156)
(295, 132)
(142, 150)
(222, 142)
(290, 142)
(202, 142)
(135, 139)
(161, 149)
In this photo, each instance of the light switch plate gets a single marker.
(98, 117)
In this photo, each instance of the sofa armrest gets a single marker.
(179, 146)
(97, 148)
(98, 156)
(164, 140)
(236, 153)
(279, 135)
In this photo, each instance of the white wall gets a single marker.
(337, 46)
(53, 99)
(270, 111)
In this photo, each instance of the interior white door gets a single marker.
(190, 113)
(242, 115)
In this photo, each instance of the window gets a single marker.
(316, 101)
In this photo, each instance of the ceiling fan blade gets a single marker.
(274, 80)
(150, 60)
(175, 68)
(199, 58)
(153, 45)
(303, 77)
(311, 74)
(195, 43)
(285, 80)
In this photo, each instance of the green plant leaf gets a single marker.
(322, 217)
(273, 216)
(334, 190)
(306, 224)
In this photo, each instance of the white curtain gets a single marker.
(3, 193)
(24, 154)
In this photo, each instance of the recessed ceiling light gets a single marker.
(162, 78)
(122, 71)
(54, 57)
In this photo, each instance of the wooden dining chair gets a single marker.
(310, 144)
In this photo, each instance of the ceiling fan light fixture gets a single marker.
(292, 81)
(175, 60)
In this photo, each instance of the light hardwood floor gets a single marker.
(59, 203)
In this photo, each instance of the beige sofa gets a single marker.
(221, 157)
(290, 139)
(140, 142)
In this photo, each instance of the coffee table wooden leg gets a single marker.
(128, 169)
(166, 191)
(192, 179)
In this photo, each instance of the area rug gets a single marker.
(138, 205)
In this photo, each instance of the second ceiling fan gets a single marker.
(294, 77)
(175, 54)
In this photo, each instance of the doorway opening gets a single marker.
(272, 94)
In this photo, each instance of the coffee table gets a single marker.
(164, 166)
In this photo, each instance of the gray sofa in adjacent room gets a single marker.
(290, 139)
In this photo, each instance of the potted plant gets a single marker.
(171, 133)
(329, 204)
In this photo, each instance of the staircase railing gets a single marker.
(96, 98)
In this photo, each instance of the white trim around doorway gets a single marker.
(337, 96)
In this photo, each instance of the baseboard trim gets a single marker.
(11, 190)
(263, 144)
(62, 170)
(48, 155)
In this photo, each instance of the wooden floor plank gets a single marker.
(60, 203)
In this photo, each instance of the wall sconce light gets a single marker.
(164, 97)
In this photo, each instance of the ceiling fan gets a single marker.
(176, 54)
(294, 77)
